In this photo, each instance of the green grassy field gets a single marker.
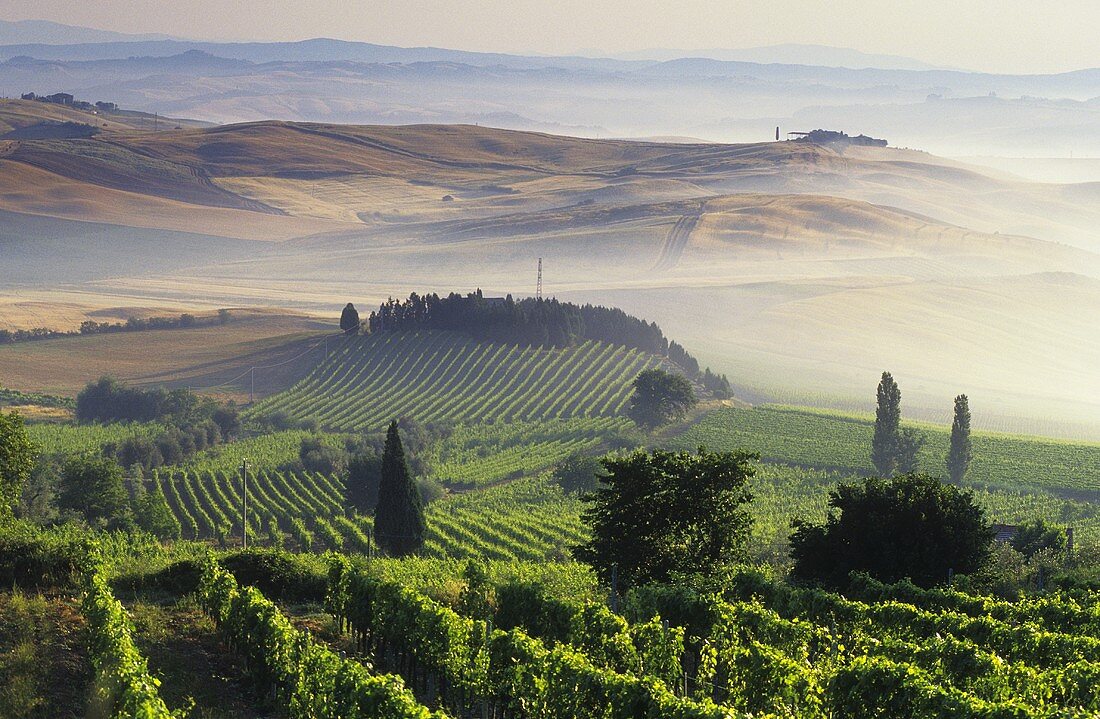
(837, 441)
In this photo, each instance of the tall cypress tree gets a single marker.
(958, 456)
(885, 444)
(399, 516)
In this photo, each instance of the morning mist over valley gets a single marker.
(615, 359)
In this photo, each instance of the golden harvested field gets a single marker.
(198, 357)
(783, 264)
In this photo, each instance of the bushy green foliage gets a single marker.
(911, 526)
(93, 488)
(579, 474)
(660, 397)
(151, 513)
(124, 685)
(1036, 536)
(312, 681)
(32, 557)
(663, 513)
(364, 475)
(17, 455)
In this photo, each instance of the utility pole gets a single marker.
(538, 287)
(244, 504)
(252, 388)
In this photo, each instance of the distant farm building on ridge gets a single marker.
(833, 137)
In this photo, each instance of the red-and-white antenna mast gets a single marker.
(538, 286)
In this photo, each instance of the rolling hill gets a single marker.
(447, 377)
(776, 260)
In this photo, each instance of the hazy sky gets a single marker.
(993, 35)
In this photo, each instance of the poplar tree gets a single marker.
(959, 455)
(885, 444)
(399, 524)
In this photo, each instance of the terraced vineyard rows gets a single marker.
(527, 519)
(487, 453)
(444, 376)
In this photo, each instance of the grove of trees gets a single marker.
(535, 322)
(912, 526)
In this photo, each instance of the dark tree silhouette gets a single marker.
(660, 513)
(959, 454)
(660, 397)
(364, 476)
(578, 474)
(349, 319)
(911, 526)
(884, 444)
(910, 442)
(399, 516)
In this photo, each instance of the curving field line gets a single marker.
(676, 241)
(446, 376)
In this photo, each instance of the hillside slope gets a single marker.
(443, 376)
(801, 271)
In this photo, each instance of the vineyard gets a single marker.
(834, 441)
(526, 520)
(414, 638)
(448, 377)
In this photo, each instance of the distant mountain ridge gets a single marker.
(788, 54)
(54, 33)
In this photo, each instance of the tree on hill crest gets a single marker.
(349, 319)
(660, 397)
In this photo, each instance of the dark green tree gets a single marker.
(910, 442)
(399, 516)
(911, 526)
(660, 397)
(662, 513)
(960, 453)
(349, 319)
(17, 454)
(93, 486)
(884, 443)
(1036, 536)
(578, 474)
(362, 480)
(151, 513)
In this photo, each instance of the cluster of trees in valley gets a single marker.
(132, 324)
